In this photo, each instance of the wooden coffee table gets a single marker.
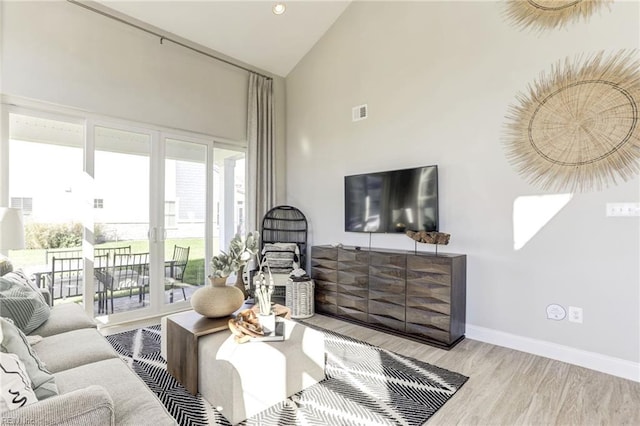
(182, 334)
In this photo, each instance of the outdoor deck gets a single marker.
(125, 303)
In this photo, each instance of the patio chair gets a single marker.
(128, 271)
(174, 270)
(112, 250)
(66, 278)
(100, 269)
(61, 253)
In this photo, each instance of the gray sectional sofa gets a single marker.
(94, 386)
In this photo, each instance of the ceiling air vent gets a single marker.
(359, 112)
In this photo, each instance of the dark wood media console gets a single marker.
(420, 295)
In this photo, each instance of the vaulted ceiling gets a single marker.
(245, 30)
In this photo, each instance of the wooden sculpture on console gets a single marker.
(433, 237)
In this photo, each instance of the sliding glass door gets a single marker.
(47, 182)
(228, 195)
(185, 213)
(121, 201)
(190, 167)
(131, 214)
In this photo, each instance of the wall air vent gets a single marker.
(359, 112)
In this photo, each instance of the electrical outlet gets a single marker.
(575, 314)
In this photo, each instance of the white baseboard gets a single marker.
(606, 364)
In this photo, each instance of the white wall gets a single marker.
(59, 53)
(438, 78)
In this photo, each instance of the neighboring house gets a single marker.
(120, 203)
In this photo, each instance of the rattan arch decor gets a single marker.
(547, 14)
(578, 127)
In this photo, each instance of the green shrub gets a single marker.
(100, 233)
(59, 235)
(53, 235)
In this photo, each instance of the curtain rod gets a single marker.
(163, 37)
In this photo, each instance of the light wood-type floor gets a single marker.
(508, 387)
(505, 387)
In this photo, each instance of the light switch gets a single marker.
(623, 209)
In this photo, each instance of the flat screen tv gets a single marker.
(392, 201)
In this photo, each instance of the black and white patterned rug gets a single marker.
(365, 385)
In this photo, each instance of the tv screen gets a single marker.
(392, 201)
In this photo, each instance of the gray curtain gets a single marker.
(261, 185)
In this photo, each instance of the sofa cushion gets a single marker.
(15, 385)
(64, 317)
(15, 342)
(21, 302)
(133, 401)
(54, 350)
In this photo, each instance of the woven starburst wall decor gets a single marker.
(547, 14)
(578, 127)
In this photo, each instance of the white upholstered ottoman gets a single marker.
(240, 380)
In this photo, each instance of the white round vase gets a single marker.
(217, 299)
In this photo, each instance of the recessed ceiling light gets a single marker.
(279, 8)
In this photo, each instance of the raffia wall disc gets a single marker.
(546, 14)
(578, 127)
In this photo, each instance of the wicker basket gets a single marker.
(299, 298)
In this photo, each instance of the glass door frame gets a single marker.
(208, 143)
(158, 134)
(154, 171)
(58, 114)
(157, 232)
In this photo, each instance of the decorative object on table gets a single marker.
(264, 288)
(239, 253)
(548, 14)
(299, 294)
(246, 250)
(280, 310)
(268, 323)
(429, 237)
(245, 326)
(225, 264)
(263, 293)
(218, 299)
(578, 127)
(298, 275)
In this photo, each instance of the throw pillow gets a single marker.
(5, 265)
(24, 279)
(15, 385)
(281, 257)
(21, 302)
(13, 341)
